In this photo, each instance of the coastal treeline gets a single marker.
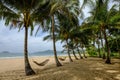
(95, 35)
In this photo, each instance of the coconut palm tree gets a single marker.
(23, 14)
(64, 8)
(54, 46)
(105, 21)
(65, 30)
(101, 17)
(62, 31)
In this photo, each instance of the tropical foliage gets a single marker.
(97, 35)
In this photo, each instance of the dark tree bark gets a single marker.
(99, 52)
(70, 59)
(79, 53)
(74, 54)
(104, 57)
(54, 46)
(108, 60)
(83, 53)
(119, 53)
(28, 69)
(118, 48)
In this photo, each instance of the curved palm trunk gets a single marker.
(108, 60)
(75, 55)
(99, 52)
(69, 52)
(28, 69)
(83, 53)
(118, 50)
(119, 53)
(79, 53)
(70, 59)
(94, 40)
(54, 47)
(104, 57)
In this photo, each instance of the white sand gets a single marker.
(18, 63)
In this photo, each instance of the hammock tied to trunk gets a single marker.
(42, 63)
(62, 59)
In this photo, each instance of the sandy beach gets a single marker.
(18, 63)
(82, 69)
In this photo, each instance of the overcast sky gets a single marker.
(13, 41)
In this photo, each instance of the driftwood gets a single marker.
(62, 59)
(42, 63)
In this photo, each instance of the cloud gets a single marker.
(13, 41)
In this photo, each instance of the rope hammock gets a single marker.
(42, 63)
(62, 59)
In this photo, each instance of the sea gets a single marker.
(7, 54)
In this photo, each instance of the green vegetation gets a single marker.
(98, 35)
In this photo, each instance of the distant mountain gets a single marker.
(46, 51)
(9, 54)
(5, 52)
(39, 53)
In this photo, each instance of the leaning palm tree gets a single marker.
(102, 17)
(60, 7)
(65, 31)
(55, 7)
(23, 14)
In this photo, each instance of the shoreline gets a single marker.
(11, 64)
(30, 56)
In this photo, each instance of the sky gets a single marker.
(13, 41)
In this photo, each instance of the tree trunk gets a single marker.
(75, 55)
(118, 48)
(99, 53)
(108, 60)
(119, 53)
(104, 57)
(28, 69)
(79, 53)
(84, 53)
(69, 52)
(54, 46)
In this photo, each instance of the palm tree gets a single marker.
(101, 17)
(64, 7)
(101, 39)
(68, 51)
(23, 14)
(98, 43)
(72, 47)
(64, 34)
(62, 31)
(79, 53)
(107, 15)
(59, 7)
(114, 29)
(66, 25)
(54, 47)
